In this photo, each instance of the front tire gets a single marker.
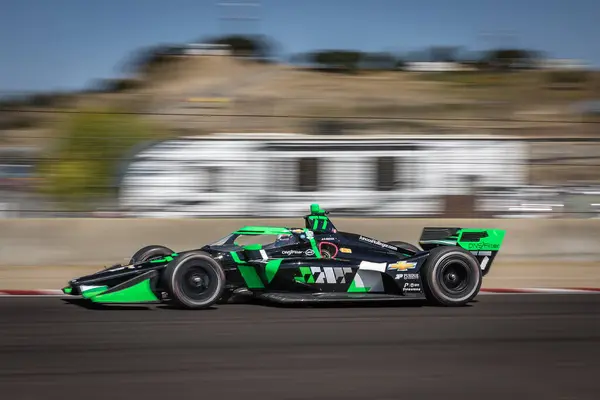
(451, 276)
(195, 280)
(148, 253)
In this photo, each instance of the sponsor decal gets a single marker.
(482, 253)
(328, 239)
(308, 252)
(372, 266)
(329, 275)
(297, 231)
(291, 252)
(310, 234)
(345, 250)
(402, 265)
(407, 276)
(377, 243)
(484, 263)
(411, 287)
(481, 245)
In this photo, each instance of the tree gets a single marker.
(336, 60)
(378, 61)
(84, 164)
(509, 59)
(148, 58)
(444, 54)
(400, 64)
(252, 46)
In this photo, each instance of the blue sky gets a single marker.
(65, 44)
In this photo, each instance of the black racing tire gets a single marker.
(451, 276)
(405, 245)
(150, 253)
(194, 280)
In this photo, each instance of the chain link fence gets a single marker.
(370, 157)
(386, 173)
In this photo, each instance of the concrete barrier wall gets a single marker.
(96, 242)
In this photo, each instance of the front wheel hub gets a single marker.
(198, 281)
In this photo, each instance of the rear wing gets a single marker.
(484, 244)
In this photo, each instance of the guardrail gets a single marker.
(97, 242)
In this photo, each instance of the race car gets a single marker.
(313, 264)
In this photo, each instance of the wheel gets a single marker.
(150, 253)
(451, 276)
(404, 245)
(194, 280)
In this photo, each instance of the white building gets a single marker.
(436, 66)
(278, 175)
(562, 64)
(207, 49)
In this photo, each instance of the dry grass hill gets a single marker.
(198, 95)
(214, 94)
(206, 94)
(219, 93)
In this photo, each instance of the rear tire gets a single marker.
(150, 253)
(195, 280)
(451, 276)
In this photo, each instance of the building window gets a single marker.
(308, 174)
(284, 175)
(386, 173)
(214, 179)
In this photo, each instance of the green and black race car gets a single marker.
(316, 263)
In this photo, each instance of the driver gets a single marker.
(284, 238)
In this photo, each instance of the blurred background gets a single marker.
(258, 108)
(127, 123)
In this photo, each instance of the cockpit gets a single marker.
(237, 240)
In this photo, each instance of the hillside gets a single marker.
(244, 88)
(218, 93)
(201, 95)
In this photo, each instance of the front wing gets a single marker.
(117, 286)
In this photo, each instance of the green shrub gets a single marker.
(560, 78)
(83, 165)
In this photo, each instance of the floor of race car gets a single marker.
(502, 346)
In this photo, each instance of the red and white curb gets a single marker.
(539, 290)
(59, 293)
(37, 292)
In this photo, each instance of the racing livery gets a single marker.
(316, 263)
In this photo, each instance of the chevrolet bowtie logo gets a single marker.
(402, 265)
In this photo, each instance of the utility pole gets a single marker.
(241, 14)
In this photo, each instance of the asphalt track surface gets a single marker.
(503, 346)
